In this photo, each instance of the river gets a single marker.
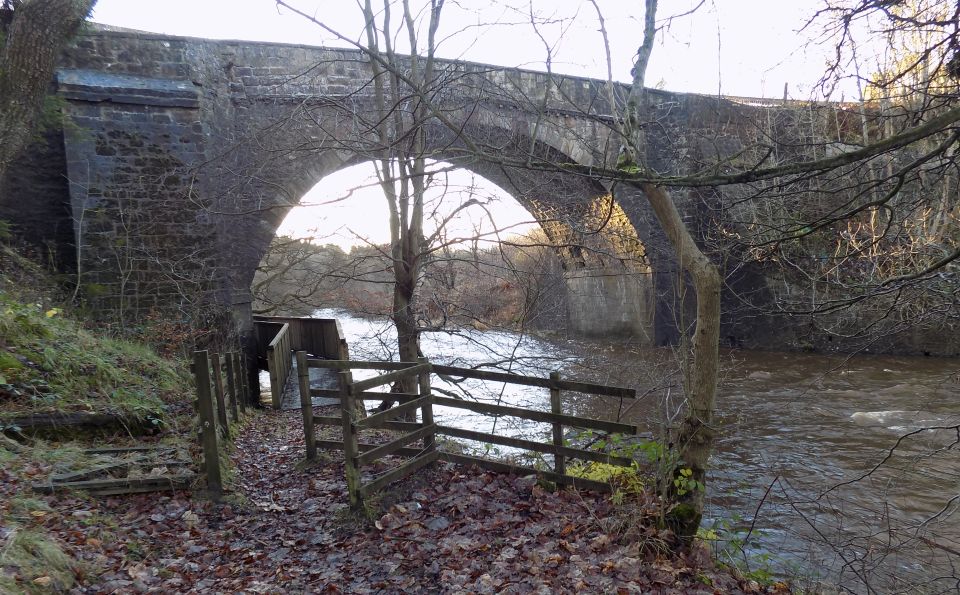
(795, 428)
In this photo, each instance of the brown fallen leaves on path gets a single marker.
(448, 530)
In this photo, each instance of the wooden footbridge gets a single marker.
(279, 337)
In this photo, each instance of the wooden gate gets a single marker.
(352, 420)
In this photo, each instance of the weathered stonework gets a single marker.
(131, 147)
(611, 303)
(184, 155)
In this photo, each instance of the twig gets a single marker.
(889, 455)
(940, 546)
(756, 512)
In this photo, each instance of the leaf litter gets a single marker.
(288, 528)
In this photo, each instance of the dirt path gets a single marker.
(452, 530)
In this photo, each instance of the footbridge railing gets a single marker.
(417, 439)
(278, 337)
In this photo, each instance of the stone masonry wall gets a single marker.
(134, 134)
(37, 200)
(611, 304)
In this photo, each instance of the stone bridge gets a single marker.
(179, 157)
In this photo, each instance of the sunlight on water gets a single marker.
(502, 351)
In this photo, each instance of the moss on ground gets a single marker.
(41, 565)
(31, 558)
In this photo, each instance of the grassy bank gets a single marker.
(54, 362)
(50, 362)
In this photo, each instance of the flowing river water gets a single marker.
(793, 488)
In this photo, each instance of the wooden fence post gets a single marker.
(429, 442)
(208, 424)
(218, 386)
(559, 461)
(350, 448)
(239, 369)
(306, 405)
(232, 386)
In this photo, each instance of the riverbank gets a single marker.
(790, 492)
(287, 529)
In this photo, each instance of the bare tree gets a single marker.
(694, 438)
(402, 156)
(797, 175)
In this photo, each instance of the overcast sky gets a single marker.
(731, 47)
(736, 47)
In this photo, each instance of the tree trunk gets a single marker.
(401, 162)
(686, 481)
(404, 314)
(408, 333)
(38, 31)
(694, 438)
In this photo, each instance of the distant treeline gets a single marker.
(515, 284)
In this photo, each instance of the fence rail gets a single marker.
(580, 387)
(353, 420)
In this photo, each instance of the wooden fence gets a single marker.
(222, 391)
(358, 454)
(279, 337)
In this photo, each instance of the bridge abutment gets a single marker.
(611, 303)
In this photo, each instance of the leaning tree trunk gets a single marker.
(694, 439)
(686, 480)
(38, 31)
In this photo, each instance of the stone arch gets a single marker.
(576, 212)
(269, 170)
(220, 139)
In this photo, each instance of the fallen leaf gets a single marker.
(600, 542)
(190, 518)
(438, 524)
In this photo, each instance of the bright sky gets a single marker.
(338, 210)
(733, 47)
